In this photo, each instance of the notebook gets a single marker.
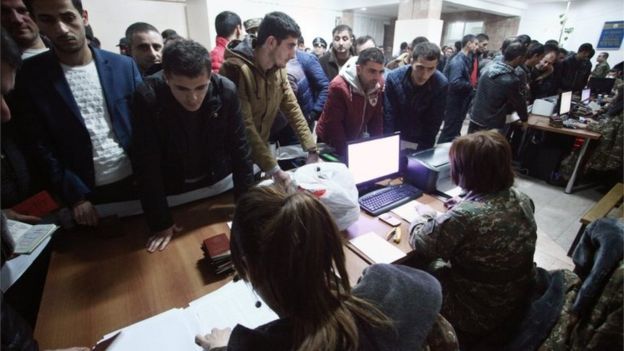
(376, 249)
(27, 237)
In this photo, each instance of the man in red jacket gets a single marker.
(354, 103)
(229, 27)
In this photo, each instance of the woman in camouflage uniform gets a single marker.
(488, 238)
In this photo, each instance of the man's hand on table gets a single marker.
(282, 178)
(161, 239)
(85, 214)
(217, 338)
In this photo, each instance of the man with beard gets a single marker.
(354, 102)
(257, 66)
(341, 51)
(75, 103)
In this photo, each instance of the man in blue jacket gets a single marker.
(415, 98)
(462, 84)
(75, 102)
(310, 85)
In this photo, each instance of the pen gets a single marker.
(390, 233)
(397, 236)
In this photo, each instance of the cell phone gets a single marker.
(388, 218)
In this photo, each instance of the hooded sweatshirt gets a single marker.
(350, 112)
(410, 298)
(262, 94)
(498, 94)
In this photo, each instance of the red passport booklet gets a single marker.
(38, 205)
(217, 246)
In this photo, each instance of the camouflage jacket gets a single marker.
(489, 241)
(601, 70)
(609, 152)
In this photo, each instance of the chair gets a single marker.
(599, 210)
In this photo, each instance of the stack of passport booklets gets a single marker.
(217, 252)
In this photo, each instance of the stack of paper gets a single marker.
(176, 329)
(376, 249)
(27, 237)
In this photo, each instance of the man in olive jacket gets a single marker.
(257, 67)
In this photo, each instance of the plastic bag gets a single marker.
(333, 184)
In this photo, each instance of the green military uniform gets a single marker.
(489, 241)
(609, 153)
(601, 70)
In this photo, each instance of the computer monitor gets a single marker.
(564, 102)
(371, 160)
(585, 94)
(601, 85)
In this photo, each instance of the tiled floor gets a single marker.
(557, 214)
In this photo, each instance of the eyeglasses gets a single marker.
(319, 46)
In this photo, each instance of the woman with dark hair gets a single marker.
(288, 247)
(488, 237)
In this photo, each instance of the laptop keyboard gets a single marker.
(384, 199)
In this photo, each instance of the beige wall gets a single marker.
(496, 27)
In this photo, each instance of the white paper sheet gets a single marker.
(232, 304)
(170, 330)
(376, 248)
(176, 329)
(408, 212)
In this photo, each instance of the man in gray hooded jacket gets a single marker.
(498, 92)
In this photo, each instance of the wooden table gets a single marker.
(367, 223)
(541, 123)
(100, 280)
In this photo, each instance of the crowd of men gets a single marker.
(96, 127)
(167, 117)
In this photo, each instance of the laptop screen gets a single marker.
(373, 159)
(566, 100)
(585, 94)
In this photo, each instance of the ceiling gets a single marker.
(391, 10)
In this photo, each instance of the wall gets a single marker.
(315, 18)
(587, 17)
(496, 27)
(109, 19)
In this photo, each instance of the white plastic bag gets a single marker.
(334, 185)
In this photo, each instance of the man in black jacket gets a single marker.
(576, 69)
(498, 92)
(188, 135)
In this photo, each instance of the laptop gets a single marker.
(565, 102)
(585, 95)
(372, 160)
(601, 85)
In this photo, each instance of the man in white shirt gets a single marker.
(75, 103)
(16, 19)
